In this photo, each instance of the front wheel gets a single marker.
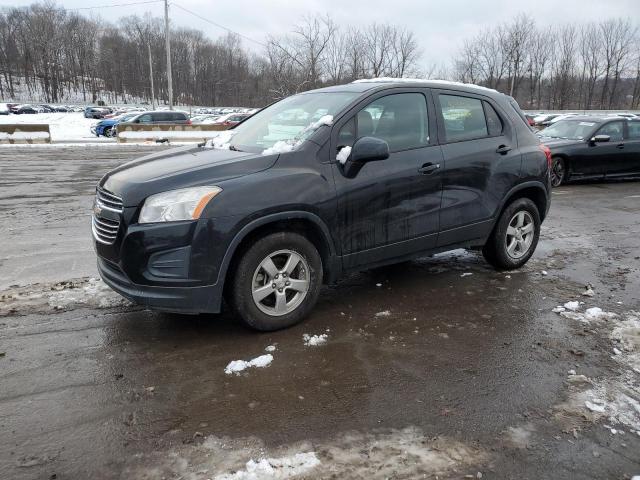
(558, 171)
(277, 282)
(515, 236)
(108, 132)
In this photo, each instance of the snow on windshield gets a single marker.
(283, 146)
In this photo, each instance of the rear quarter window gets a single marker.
(634, 130)
(463, 118)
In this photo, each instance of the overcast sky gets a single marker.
(440, 26)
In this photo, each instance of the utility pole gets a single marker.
(168, 47)
(151, 76)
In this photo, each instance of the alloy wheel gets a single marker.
(520, 234)
(280, 283)
(557, 172)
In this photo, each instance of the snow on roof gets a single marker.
(420, 80)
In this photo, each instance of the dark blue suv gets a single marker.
(317, 185)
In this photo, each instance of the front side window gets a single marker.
(613, 129)
(144, 118)
(400, 119)
(463, 118)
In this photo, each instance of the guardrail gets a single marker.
(24, 133)
(136, 132)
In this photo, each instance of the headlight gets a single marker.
(184, 204)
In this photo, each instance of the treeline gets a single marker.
(51, 54)
(591, 66)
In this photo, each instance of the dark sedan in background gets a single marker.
(593, 147)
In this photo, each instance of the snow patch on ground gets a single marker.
(237, 366)
(406, 453)
(384, 313)
(314, 340)
(91, 292)
(617, 398)
(571, 310)
(267, 468)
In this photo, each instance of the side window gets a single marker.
(400, 119)
(494, 123)
(145, 118)
(634, 130)
(463, 118)
(613, 129)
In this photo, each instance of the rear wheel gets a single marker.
(277, 281)
(108, 132)
(515, 236)
(558, 171)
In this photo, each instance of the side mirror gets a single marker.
(366, 149)
(600, 139)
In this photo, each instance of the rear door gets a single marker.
(609, 157)
(390, 208)
(481, 163)
(632, 147)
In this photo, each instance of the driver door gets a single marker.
(390, 208)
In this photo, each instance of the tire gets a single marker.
(108, 132)
(264, 310)
(500, 250)
(558, 171)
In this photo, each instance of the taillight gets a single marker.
(547, 153)
(189, 122)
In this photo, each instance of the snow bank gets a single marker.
(268, 468)
(22, 136)
(237, 366)
(314, 340)
(63, 126)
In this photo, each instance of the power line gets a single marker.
(113, 5)
(218, 25)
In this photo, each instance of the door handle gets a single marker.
(429, 168)
(503, 149)
(620, 146)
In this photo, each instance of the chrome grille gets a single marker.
(108, 200)
(105, 225)
(105, 230)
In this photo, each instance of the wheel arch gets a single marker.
(567, 163)
(534, 191)
(305, 223)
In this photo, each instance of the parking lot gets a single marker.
(438, 368)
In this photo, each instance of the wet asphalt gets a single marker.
(475, 364)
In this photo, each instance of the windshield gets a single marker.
(288, 122)
(569, 129)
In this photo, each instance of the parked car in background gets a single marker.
(232, 119)
(96, 112)
(627, 115)
(385, 174)
(162, 116)
(25, 109)
(107, 126)
(558, 118)
(593, 147)
(204, 119)
(4, 109)
(530, 120)
(545, 118)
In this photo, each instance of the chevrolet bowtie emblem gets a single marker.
(97, 210)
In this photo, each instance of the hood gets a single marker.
(559, 142)
(180, 168)
(107, 121)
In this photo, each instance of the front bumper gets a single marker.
(199, 299)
